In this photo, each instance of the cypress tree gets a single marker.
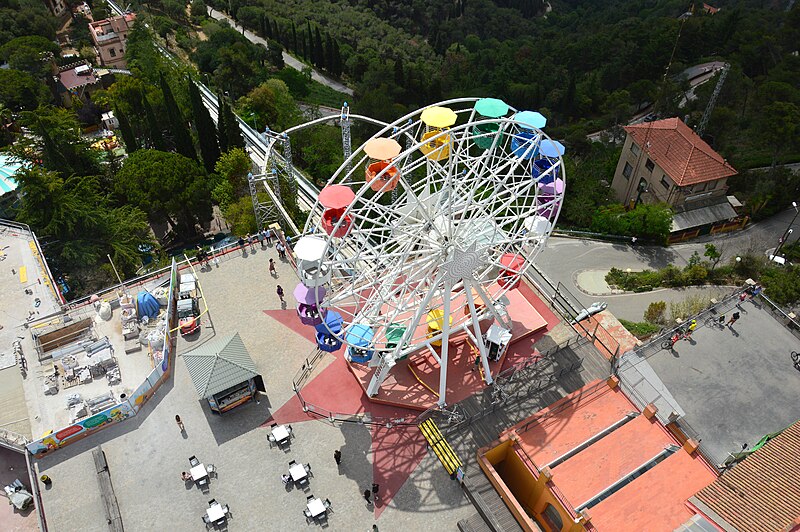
(234, 132)
(328, 53)
(126, 131)
(222, 125)
(311, 55)
(319, 53)
(180, 132)
(268, 27)
(206, 132)
(294, 38)
(337, 59)
(399, 75)
(156, 136)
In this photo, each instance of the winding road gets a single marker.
(564, 260)
(288, 59)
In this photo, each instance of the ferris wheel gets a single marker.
(423, 230)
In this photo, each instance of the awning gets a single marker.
(702, 216)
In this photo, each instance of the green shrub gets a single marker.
(640, 329)
(656, 313)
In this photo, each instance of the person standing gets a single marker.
(337, 456)
(279, 291)
(179, 422)
(268, 235)
(375, 488)
(733, 319)
(241, 246)
(366, 496)
(690, 329)
(272, 269)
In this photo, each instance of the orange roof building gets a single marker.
(760, 493)
(666, 162)
(593, 461)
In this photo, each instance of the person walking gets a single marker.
(367, 493)
(337, 456)
(375, 488)
(281, 250)
(279, 291)
(272, 269)
(179, 422)
(733, 319)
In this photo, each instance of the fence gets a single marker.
(6, 225)
(789, 320)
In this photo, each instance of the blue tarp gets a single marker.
(147, 305)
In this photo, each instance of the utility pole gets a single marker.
(713, 100)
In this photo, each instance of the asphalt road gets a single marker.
(564, 258)
(288, 59)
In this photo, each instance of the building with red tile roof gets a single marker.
(593, 461)
(666, 162)
(760, 493)
(110, 37)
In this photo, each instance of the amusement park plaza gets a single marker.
(401, 363)
(562, 433)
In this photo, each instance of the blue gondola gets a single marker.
(333, 324)
(359, 337)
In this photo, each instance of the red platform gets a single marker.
(531, 318)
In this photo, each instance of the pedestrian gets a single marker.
(47, 480)
(690, 329)
(179, 422)
(721, 320)
(285, 479)
(733, 319)
(337, 455)
(477, 363)
(241, 245)
(252, 240)
(268, 235)
(742, 296)
(756, 290)
(279, 291)
(375, 488)
(272, 270)
(366, 496)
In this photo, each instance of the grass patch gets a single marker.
(319, 94)
(640, 329)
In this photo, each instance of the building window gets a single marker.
(712, 185)
(112, 52)
(552, 518)
(628, 170)
(635, 149)
(699, 188)
(649, 165)
(665, 182)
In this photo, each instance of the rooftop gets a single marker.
(216, 366)
(77, 76)
(596, 437)
(112, 25)
(680, 152)
(760, 493)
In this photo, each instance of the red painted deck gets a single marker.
(401, 388)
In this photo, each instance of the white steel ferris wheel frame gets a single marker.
(436, 241)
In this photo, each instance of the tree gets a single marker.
(198, 11)
(222, 124)
(319, 53)
(181, 137)
(156, 136)
(233, 133)
(273, 105)
(780, 127)
(233, 166)
(656, 312)
(20, 91)
(79, 221)
(241, 217)
(205, 128)
(168, 187)
(31, 53)
(131, 144)
(713, 255)
(57, 143)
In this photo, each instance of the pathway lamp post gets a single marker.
(788, 231)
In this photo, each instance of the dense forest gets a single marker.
(588, 65)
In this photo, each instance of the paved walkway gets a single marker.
(288, 59)
(147, 453)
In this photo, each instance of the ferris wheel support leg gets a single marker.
(446, 293)
(476, 324)
(492, 310)
(386, 364)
